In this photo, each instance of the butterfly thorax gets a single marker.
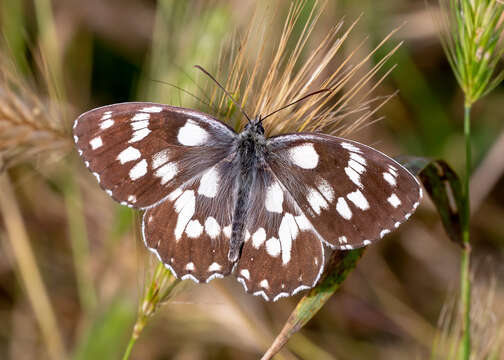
(250, 154)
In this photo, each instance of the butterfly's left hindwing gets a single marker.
(282, 255)
(140, 152)
(351, 193)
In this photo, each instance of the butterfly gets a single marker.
(218, 202)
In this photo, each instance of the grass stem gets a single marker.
(29, 271)
(465, 287)
(129, 348)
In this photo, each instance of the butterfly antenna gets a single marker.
(222, 88)
(295, 102)
(180, 89)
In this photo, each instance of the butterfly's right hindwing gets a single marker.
(141, 152)
(190, 230)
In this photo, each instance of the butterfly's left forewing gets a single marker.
(351, 193)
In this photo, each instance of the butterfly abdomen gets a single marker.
(250, 149)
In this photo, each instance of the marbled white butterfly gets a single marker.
(261, 207)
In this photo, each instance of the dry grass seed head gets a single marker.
(264, 75)
(28, 125)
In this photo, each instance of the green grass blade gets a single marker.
(339, 266)
(108, 333)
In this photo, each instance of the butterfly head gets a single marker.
(254, 126)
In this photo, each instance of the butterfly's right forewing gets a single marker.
(140, 152)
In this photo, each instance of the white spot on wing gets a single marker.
(152, 109)
(258, 238)
(342, 239)
(106, 124)
(132, 199)
(209, 183)
(358, 158)
(353, 176)
(212, 227)
(366, 242)
(139, 170)
(274, 198)
(137, 125)
(191, 134)
(214, 267)
(167, 172)
(394, 200)
(264, 284)
(351, 147)
(174, 194)
(139, 135)
(303, 223)
(389, 178)
(194, 229)
(316, 200)
(227, 231)
(160, 158)
(273, 247)
(343, 209)
(184, 207)
(190, 266)
(358, 199)
(140, 117)
(245, 273)
(325, 189)
(96, 142)
(128, 154)
(304, 156)
(287, 232)
(358, 167)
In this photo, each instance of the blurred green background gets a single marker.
(87, 249)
